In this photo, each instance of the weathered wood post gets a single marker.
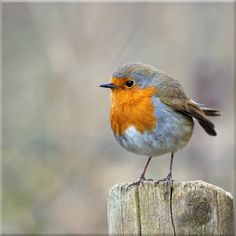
(192, 207)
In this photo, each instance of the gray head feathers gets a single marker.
(144, 75)
(133, 69)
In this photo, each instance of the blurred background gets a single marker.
(59, 155)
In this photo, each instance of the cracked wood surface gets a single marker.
(193, 207)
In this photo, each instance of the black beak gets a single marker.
(108, 85)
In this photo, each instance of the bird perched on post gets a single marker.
(150, 113)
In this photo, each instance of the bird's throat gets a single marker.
(132, 108)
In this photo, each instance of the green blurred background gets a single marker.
(59, 155)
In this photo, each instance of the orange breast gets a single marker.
(132, 107)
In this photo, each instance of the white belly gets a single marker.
(172, 132)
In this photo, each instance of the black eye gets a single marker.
(129, 83)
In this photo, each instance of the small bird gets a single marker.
(150, 113)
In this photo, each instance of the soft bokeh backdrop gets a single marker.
(59, 155)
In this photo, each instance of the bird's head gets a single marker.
(131, 77)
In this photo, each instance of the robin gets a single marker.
(150, 113)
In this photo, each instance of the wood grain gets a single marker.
(192, 207)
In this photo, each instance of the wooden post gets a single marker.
(192, 207)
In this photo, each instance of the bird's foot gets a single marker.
(168, 181)
(141, 180)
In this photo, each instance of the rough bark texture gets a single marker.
(193, 207)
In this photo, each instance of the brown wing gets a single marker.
(171, 93)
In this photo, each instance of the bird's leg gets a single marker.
(168, 179)
(142, 177)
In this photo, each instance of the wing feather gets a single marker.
(171, 93)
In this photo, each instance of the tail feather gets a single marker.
(201, 113)
(210, 111)
(207, 125)
(195, 110)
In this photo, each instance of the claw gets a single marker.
(141, 180)
(168, 180)
(168, 183)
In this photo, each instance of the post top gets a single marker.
(183, 184)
